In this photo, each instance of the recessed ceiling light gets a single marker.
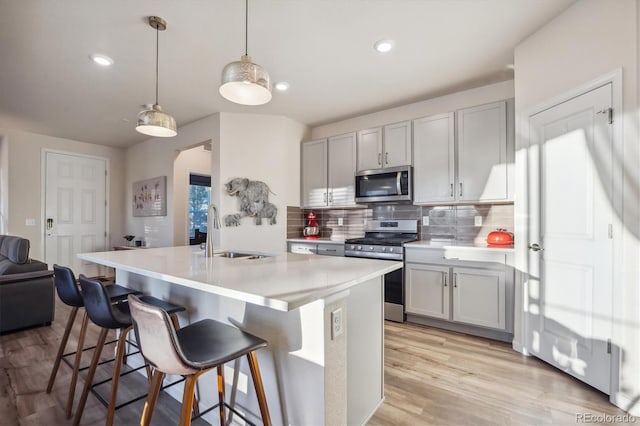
(282, 86)
(383, 46)
(100, 59)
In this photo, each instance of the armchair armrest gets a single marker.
(25, 276)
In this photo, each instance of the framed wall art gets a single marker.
(150, 197)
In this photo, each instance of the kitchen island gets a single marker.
(322, 317)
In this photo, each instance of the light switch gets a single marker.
(30, 222)
(340, 221)
(425, 220)
(477, 220)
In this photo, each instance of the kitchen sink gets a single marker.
(240, 255)
(232, 254)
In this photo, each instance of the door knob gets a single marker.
(535, 247)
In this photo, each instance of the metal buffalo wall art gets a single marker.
(253, 197)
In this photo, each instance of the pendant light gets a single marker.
(243, 81)
(154, 121)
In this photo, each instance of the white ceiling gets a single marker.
(323, 48)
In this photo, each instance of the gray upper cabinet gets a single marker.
(369, 149)
(397, 144)
(342, 168)
(314, 174)
(433, 158)
(389, 146)
(328, 169)
(473, 165)
(482, 153)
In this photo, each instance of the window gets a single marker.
(199, 200)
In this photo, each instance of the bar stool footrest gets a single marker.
(131, 401)
(230, 408)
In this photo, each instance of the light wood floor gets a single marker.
(432, 377)
(436, 377)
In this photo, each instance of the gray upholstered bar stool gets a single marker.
(108, 317)
(192, 351)
(69, 294)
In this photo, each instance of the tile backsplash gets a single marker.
(462, 222)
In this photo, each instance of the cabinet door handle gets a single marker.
(451, 191)
(461, 189)
(331, 197)
(444, 278)
(380, 159)
(386, 158)
(455, 280)
(325, 198)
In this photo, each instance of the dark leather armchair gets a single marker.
(26, 287)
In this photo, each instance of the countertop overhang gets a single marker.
(284, 281)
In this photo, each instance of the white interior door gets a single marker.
(571, 217)
(75, 210)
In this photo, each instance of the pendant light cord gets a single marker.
(157, 53)
(246, 25)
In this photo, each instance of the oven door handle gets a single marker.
(398, 186)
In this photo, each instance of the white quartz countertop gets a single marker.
(283, 282)
(460, 245)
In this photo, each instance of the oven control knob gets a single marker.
(371, 248)
(359, 247)
(384, 249)
(390, 249)
(352, 247)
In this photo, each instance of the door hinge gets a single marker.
(609, 112)
(608, 346)
(610, 231)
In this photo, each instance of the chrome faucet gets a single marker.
(212, 223)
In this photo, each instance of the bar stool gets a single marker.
(192, 351)
(69, 294)
(111, 317)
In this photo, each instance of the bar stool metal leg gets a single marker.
(257, 384)
(76, 365)
(150, 403)
(63, 345)
(221, 393)
(187, 397)
(92, 372)
(116, 374)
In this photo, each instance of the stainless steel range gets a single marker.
(385, 239)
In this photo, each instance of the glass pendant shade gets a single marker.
(245, 83)
(155, 122)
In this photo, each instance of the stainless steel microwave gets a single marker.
(384, 185)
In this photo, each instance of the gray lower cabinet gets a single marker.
(325, 249)
(474, 297)
(427, 290)
(479, 297)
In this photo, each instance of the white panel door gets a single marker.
(427, 288)
(75, 210)
(342, 168)
(571, 220)
(479, 297)
(369, 149)
(433, 158)
(314, 174)
(482, 153)
(397, 144)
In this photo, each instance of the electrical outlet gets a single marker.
(337, 326)
(340, 221)
(425, 220)
(477, 220)
(30, 222)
